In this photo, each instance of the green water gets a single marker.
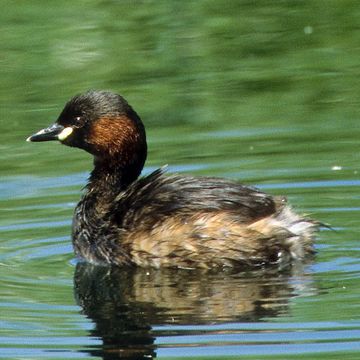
(265, 92)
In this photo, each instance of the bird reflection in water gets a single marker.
(126, 304)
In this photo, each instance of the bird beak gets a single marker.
(53, 132)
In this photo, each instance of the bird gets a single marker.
(167, 220)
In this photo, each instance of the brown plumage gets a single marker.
(166, 220)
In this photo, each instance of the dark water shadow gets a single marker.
(125, 304)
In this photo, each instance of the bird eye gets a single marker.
(78, 121)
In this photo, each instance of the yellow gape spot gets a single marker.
(65, 133)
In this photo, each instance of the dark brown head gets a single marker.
(103, 124)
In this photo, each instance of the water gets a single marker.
(265, 93)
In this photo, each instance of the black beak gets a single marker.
(50, 133)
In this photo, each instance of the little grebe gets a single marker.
(166, 220)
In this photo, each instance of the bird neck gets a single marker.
(108, 178)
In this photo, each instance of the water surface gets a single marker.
(264, 93)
